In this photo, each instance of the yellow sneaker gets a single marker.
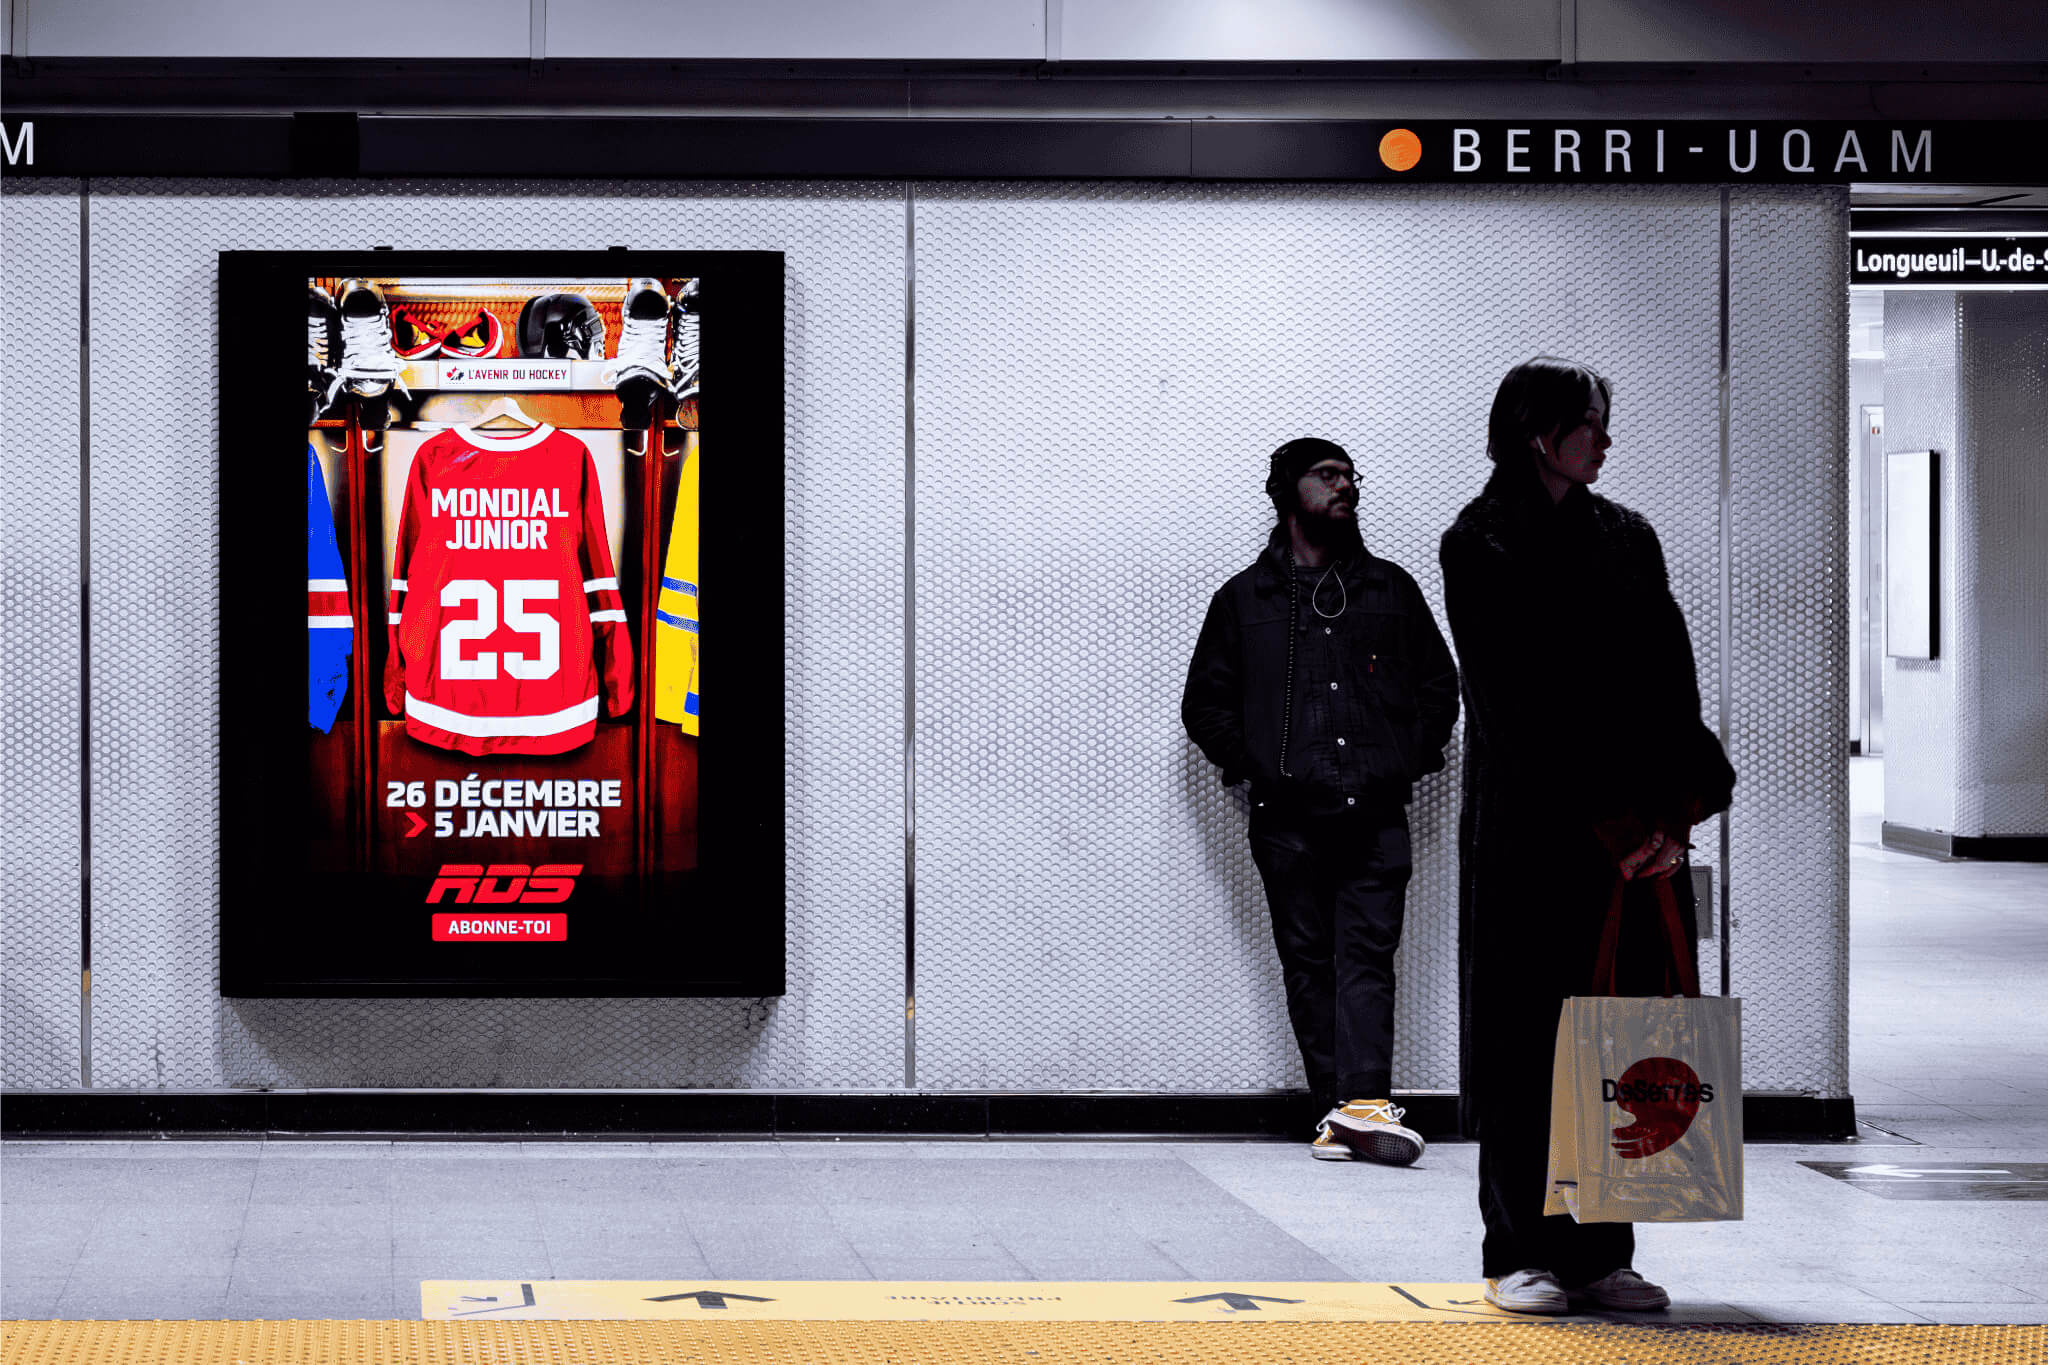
(1372, 1129)
(1327, 1148)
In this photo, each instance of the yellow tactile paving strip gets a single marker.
(1006, 1343)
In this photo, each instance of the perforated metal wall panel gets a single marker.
(1788, 304)
(1922, 338)
(40, 632)
(158, 607)
(2001, 617)
(1101, 373)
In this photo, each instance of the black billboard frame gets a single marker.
(742, 833)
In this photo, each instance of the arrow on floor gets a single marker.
(525, 1296)
(707, 1298)
(1232, 1299)
(1454, 1305)
(1916, 1172)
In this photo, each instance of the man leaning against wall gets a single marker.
(1321, 679)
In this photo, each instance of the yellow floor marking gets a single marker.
(946, 1301)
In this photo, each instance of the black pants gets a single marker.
(1531, 943)
(1513, 1111)
(1337, 886)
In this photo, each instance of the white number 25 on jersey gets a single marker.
(484, 666)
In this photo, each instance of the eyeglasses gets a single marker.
(1331, 477)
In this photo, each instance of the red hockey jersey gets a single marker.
(506, 618)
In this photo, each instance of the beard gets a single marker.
(1338, 535)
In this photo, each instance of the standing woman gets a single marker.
(1586, 767)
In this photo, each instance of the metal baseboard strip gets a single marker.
(540, 1115)
(1998, 848)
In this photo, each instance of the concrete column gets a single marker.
(1966, 765)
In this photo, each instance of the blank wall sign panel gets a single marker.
(40, 753)
(1101, 373)
(156, 723)
(1912, 540)
(1789, 830)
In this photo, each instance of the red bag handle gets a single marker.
(1682, 968)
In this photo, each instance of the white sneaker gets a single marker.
(1624, 1291)
(1528, 1291)
(1372, 1128)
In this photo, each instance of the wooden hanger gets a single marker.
(506, 410)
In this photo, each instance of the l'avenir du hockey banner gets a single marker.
(503, 778)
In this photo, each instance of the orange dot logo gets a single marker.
(1400, 150)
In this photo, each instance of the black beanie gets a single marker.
(1293, 460)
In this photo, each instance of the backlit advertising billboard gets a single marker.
(502, 776)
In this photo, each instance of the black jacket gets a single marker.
(1394, 707)
(1583, 702)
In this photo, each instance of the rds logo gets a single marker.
(505, 883)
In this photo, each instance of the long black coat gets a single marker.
(1582, 715)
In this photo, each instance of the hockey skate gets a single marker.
(322, 322)
(369, 366)
(684, 350)
(641, 372)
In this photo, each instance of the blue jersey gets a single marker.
(330, 630)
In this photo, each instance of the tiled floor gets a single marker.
(1948, 964)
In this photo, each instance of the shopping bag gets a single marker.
(1646, 1099)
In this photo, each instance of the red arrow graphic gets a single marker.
(418, 825)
